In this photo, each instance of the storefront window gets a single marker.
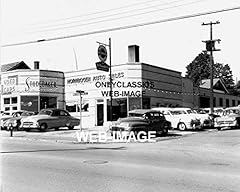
(75, 108)
(29, 103)
(7, 108)
(14, 100)
(146, 103)
(48, 102)
(6, 101)
(119, 109)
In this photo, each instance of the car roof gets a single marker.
(161, 108)
(236, 107)
(142, 111)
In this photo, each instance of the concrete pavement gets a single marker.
(64, 135)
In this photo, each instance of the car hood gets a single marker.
(35, 117)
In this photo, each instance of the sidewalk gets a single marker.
(62, 135)
(69, 136)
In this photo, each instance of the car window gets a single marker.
(135, 115)
(190, 111)
(45, 112)
(178, 112)
(63, 113)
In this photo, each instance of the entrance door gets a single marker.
(99, 114)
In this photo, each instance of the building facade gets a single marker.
(135, 85)
(32, 90)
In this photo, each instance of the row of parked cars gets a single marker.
(45, 119)
(162, 119)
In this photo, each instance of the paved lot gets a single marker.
(201, 162)
(69, 136)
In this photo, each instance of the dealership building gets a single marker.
(134, 85)
(28, 89)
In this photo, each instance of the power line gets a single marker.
(125, 27)
(114, 14)
(107, 10)
(105, 20)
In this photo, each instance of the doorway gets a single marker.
(100, 114)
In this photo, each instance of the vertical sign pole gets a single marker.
(80, 110)
(110, 63)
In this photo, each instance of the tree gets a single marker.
(199, 69)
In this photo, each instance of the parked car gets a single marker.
(50, 118)
(143, 120)
(204, 118)
(230, 118)
(179, 118)
(15, 121)
(3, 117)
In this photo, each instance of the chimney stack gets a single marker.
(36, 64)
(133, 53)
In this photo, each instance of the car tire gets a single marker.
(182, 126)
(219, 128)
(71, 127)
(43, 127)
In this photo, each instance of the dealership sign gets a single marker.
(9, 85)
(102, 55)
(35, 84)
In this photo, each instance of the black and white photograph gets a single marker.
(120, 96)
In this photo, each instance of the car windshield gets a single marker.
(45, 112)
(189, 111)
(178, 112)
(27, 113)
(232, 111)
(135, 115)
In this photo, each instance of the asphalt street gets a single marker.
(201, 162)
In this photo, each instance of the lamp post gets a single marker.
(104, 67)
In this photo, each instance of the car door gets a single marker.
(156, 121)
(65, 118)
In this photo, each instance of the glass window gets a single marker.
(233, 103)
(63, 113)
(227, 102)
(14, 100)
(220, 102)
(14, 108)
(6, 101)
(7, 108)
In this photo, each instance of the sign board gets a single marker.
(80, 93)
(102, 53)
(102, 66)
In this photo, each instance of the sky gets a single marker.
(171, 45)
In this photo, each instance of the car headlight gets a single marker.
(124, 125)
(14, 123)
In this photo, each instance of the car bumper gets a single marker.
(226, 124)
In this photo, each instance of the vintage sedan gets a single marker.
(3, 117)
(204, 118)
(50, 118)
(230, 118)
(15, 121)
(180, 119)
(142, 120)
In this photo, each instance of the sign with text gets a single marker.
(102, 66)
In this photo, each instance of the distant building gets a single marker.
(135, 85)
(23, 88)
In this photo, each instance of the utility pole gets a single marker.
(102, 54)
(210, 47)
